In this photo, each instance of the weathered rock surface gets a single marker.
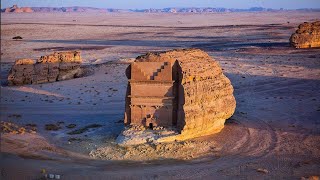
(307, 35)
(205, 95)
(54, 67)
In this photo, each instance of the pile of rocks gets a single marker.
(307, 35)
(54, 67)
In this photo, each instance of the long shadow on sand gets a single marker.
(219, 45)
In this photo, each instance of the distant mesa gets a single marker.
(307, 35)
(68, 9)
(184, 90)
(16, 9)
(54, 67)
(214, 10)
(150, 10)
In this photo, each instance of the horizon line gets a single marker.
(281, 8)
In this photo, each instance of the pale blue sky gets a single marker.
(140, 4)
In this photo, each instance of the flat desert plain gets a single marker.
(274, 133)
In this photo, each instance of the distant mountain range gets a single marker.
(16, 9)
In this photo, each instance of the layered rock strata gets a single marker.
(307, 35)
(54, 67)
(202, 95)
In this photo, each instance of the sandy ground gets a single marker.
(274, 133)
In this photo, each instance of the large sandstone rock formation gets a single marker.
(203, 95)
(54, 67)
(307, 35)
(16, 9)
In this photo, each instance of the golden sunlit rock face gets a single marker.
(194, 96)
(54, 67)
(307, 35)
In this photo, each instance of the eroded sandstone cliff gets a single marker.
(204, 94)
(54, 67)
(307, 35)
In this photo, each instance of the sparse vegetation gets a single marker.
(17, 37)
(84, 129)
(70, 126)
(15, 116)
(74, 139)
(52, 127)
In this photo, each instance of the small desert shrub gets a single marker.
(84, 129)
(70, 126)
(17, 37)
(52, 127)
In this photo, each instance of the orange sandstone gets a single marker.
(54, 67)
(183, 89)
(307, 35)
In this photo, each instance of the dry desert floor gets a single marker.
(274, 133)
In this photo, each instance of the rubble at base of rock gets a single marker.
(134, 135)
(184, 150)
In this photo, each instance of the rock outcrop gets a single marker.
(54, 67)
(203, 96)
(16, 9)
(307, 35)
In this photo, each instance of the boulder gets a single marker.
(203, 98)
(50, 68)
(307, 35)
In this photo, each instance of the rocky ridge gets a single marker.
(16, 9)
(306, 36)
(50, 68)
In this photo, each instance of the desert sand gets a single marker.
(274, 133)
